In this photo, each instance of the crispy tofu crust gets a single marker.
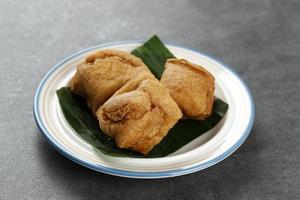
(131, 105)
(191, 86)
(101, 74)
(139, 115)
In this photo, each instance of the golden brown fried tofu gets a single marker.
(191, 86)
(139, 115)
(103, 73)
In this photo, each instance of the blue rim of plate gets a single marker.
(136, 174)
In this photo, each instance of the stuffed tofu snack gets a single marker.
(191, 86)
(131, 105)
(139, 115)
(143, 104)
(103, 73)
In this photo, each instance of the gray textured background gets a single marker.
(259, 39)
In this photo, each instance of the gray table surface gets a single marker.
(259, 39)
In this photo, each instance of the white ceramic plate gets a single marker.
(206, 150)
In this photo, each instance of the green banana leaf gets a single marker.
(154, 54)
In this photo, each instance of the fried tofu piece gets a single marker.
(191, 86)
(103, 73)
(139, 115)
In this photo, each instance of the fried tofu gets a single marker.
(139, 115)
(191, 86)
(103, 73)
